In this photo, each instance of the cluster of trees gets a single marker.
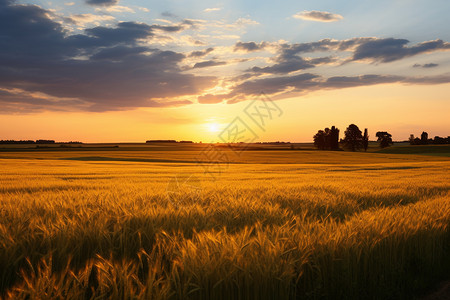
(353, 140)
(327, 139)
(424, 140)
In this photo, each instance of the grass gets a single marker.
(273, 225)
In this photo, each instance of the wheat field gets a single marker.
(276, 226)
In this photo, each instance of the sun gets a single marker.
(213, 127)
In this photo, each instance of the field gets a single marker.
(147, 222)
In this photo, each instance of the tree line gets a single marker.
(25, 142)
(424, 140)
(354, 139)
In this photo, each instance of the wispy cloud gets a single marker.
(85, 19)
(144, 9)
(102, 2)
(212, 9)
(116, 9)
(209, 63)
(429, 65)
(319, 16)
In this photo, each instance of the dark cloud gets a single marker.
(168, 28)
(274, 85)
(429, 65)
(125, 32)
(249, 46)
(114, 73)
(306, 83)
(168, 14)
(288, 64)
(201, 53)
(118, 52)
(209, 63)
(23, 102)
(355, 81)
(284, 67)
(390, 49)
(288, 59)
(102, 2)
(375, 49)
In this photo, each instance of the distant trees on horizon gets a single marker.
(424, 140)
(31, 142)
(353, 140)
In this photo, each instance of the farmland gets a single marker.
(147, 222)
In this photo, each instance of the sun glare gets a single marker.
(213, 127)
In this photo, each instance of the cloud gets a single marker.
(201, 53)
(289, 86)
(115, 9)
(292, 64)
(118, 52)
(362, 80)
(390, 49)
(212, 9)
(319, 16)
(241, 22)
(168, 14)
(102, 69)
(429, 65)
(249, 46)
(385, 50)
(102, 2)
(274, 85)
(85, 19)
(209, 63)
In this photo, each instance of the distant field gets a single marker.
(270, 223)
(435, 150)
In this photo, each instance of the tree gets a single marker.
(365, 140)
(353, 139)
(319, 140)
(424, 138)
(327, 139)
(384, 138)
(334, 138)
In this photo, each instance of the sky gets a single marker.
(129, 70)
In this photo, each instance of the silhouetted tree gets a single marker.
(384, 138)
(365, 140)
(334, 138)
(411, 139)
(424, 138)
(327, 139)
(319, 140)
(353, 139)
